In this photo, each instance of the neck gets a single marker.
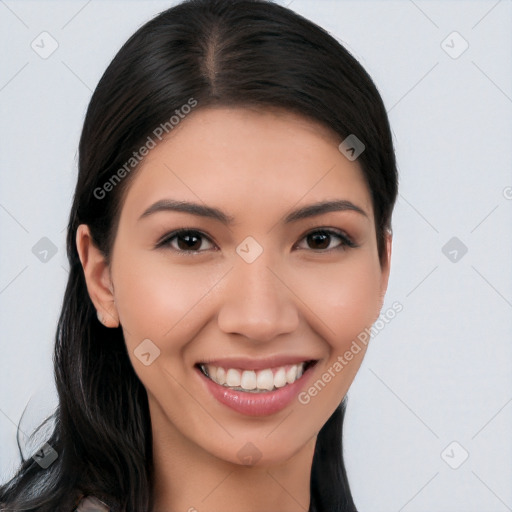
(188, 478)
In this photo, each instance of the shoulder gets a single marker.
(91, 504)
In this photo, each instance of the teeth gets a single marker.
(265, 379)
(254, 381)
(233, 377)
(280, 378)
(248, 380)
(291, 374)
(220, 375)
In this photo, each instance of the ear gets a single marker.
(97, 277)
(385, 267)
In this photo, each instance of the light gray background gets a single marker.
(440, 372)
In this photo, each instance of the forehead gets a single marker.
(243, 160)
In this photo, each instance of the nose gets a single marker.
(257, 302)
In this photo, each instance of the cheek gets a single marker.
(159, 300)
(345, 296)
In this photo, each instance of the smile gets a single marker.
(252, 381)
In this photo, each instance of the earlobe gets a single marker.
(97, 277)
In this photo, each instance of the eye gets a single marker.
(190, 241)
(322, 239)
(184, 240)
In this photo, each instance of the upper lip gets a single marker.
(246, 363)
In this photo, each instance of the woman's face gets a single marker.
(254, 289)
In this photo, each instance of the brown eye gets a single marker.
(321, 240)
(188, 242)
(185, 241)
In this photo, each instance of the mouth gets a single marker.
(263, 380)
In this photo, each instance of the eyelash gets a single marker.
(346, 242)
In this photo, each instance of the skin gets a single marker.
(295, 298)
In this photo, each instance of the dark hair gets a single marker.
(216, 52)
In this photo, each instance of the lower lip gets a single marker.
(257, 404)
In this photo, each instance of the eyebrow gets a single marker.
(210, 212)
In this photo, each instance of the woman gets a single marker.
(229, 241)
